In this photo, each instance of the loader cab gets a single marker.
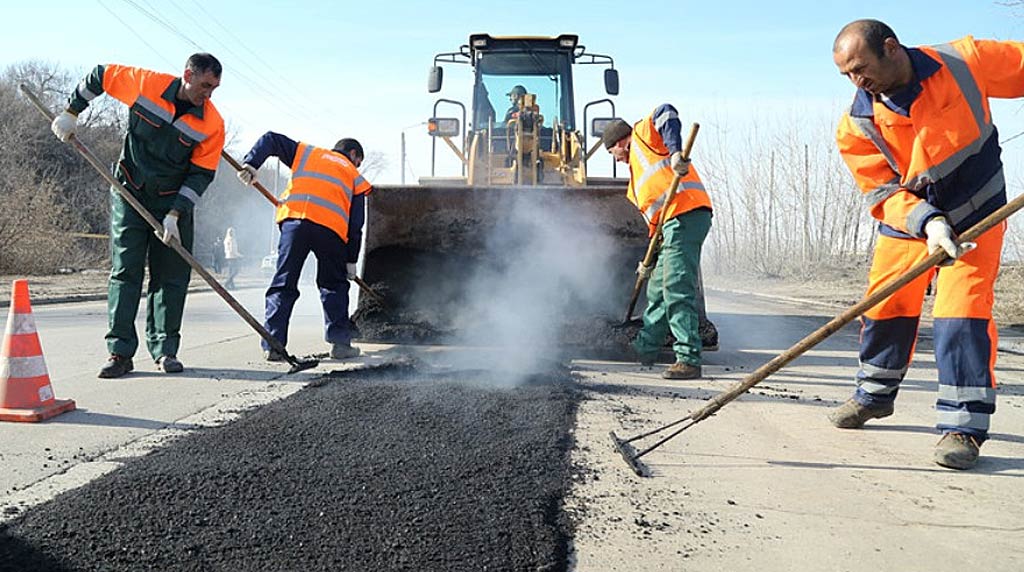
(543, 67)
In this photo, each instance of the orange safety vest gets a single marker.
(321, 190)
(650, 176)
(944, 157)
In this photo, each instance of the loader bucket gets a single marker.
(498, 265)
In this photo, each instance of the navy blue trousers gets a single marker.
(298, 239)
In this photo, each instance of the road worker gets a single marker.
(653, 150)
(170, 154)
(921, 145)
(515, 97)
(321, 211)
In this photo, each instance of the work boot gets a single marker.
(680, 370)
(273, 355)
(116, 366)
(853, 415)
(957, 451)
(708, 336)
(343, 351)
(170, 364)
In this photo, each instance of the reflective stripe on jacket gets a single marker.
(942, 157)
(162, 155)
(651, 176)
(321, 190)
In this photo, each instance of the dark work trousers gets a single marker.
(298, 239)
(132, 244)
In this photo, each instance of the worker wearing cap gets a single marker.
(653, 150)
(921, 145)
(169, 158)
(515, 96)
(322, 212)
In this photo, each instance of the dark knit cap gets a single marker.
(615, 131)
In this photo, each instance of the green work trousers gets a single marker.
(132, 241)
(672, 289)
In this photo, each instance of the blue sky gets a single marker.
(318, 71)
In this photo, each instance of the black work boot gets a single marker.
(680, 370)
(116, 366)
(957, 451)
(853, 415)
(170, 364)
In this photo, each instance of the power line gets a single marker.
(164, 23)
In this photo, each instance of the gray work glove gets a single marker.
(680, 164)
(171, 231)
(247, 174)
(940, 235)
(642, 271)
(350, 268)
(64, 125)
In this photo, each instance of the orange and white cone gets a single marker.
(25, 390)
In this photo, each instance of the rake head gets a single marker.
(629, 455)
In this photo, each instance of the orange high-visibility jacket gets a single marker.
(323, 183)
(941, 157)
(650, 176)
(162, 155)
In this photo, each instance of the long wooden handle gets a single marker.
(270, 197)
(158, 227)
(655, 242)
(259, 186)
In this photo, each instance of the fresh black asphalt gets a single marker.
(395, 468)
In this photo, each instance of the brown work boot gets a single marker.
(680, 370)
(853, 415)
(116, 366)
(957, 451)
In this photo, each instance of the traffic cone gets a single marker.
(25, 390)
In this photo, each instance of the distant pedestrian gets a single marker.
(322, 212)
(170, 155)
(234, 258)
(218, 254)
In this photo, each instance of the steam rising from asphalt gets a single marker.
(549, 263)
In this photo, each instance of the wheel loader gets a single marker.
(521, 247)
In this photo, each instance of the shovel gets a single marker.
(655, 244)
(297, 364)
(632, 456)
(273, 200)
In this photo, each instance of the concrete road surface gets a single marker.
(766, 484)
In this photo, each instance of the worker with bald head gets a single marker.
(920, 143)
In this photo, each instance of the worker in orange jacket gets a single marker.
(921, 145)
(653, 150)
(170, 155)
(321, 211)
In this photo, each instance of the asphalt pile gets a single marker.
(397, 468)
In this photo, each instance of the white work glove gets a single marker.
(642, 271)
(171, 231)
(940, 235)
(247, 175)
(680, 165)
(64, 125)
(350, 268)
